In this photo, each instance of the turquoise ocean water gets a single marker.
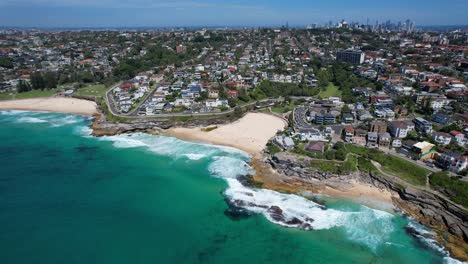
(67, 197)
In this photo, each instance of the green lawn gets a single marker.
(30, 94)
(456, 189)
(281, 109)
(331, 90)
(337, 167)
(393, 165)
(92, 90)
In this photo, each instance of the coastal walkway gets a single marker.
(426, 188)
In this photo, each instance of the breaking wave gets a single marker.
(33, 120)
(173, 147)
(52, 119)
(366, 226)
(428, 239)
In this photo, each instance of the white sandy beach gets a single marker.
(250, 133)
(52, 104)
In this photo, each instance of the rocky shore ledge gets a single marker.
(103, 127)
(432, 209)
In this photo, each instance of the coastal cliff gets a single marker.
(430, 208)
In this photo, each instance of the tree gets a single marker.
(23, 86)
(345, 109)
(37, 81)
(50, 80)
(6, 63)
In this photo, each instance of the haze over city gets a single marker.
(158, 13)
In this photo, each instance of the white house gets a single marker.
(398, 129)
(442, 138)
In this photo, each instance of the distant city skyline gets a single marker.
(158, 13)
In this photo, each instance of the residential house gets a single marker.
(378, 126)
(459, 137)
(384, 139)
(213, 94)
(452, 162)
(372, 139)
(324, 118)
(233, 94)
(397, 143)
(347, 118)
(360, 137)
(424, 150)
(348, 132)
(312, 135)
(398, 129)
(316, 146)
(442, 118)
(422, 125)
(364, 115)
(285, 142)
(442, 138)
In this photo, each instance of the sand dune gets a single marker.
(250, 133)
(52, 104)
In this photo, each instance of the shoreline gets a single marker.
(52, 104)
(233, 135)
(251, 133)
(355, 191)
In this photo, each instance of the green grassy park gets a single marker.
(331, 90)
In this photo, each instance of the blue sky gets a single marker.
(130, 13)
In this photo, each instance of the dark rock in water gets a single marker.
(276, 213)
(83, 148)
(235, 211)
(411, 231)
(294, 221)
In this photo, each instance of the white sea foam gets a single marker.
(367, 226)
(65, 120)
(173, 147)
(13, 112)
(28, 119)
(194, 156)
(83, 131)
(228, 168)
(429, 239)
(449, 260)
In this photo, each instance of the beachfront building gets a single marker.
(284, 142)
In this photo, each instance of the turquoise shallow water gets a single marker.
(66, 197)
